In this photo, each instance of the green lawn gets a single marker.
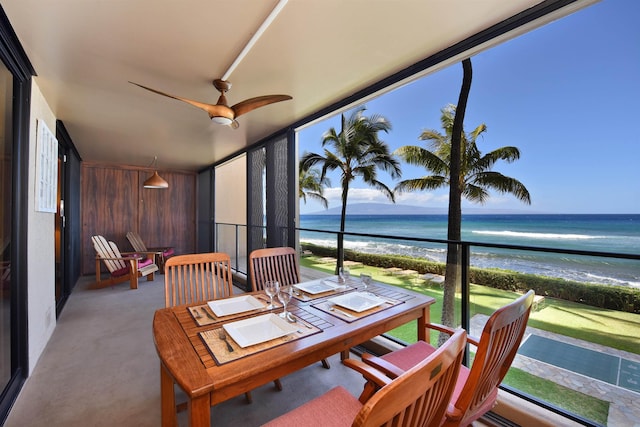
(560, 396)
(610, 328)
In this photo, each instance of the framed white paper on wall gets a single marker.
(46, 169)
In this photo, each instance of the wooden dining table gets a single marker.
(188, 361)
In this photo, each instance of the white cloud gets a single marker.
(356, 195)
(371, 195)
(423, 199)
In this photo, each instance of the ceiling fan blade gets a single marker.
(220, 112)
(212, 110)
(260, 101)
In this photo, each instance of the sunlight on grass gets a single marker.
(563, 397)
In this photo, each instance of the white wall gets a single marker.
(231, 191)
(40, 245)
(231, 206)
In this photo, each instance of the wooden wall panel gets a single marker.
(114, 202)
(167, 217)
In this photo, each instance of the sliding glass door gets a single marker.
(6, 208)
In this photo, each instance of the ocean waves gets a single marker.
(597, 233)
(531, 235)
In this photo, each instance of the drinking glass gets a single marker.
(366, 281)
(271, 289)
(284, 295)
(344, 274)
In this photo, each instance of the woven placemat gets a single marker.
(303, 296)
(203, 316)
(222, 354)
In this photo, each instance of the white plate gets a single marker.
(357, 301)
(259, 329)
(317, 287)
(235, 305)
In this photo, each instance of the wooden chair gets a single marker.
(163, 253)
(196, 278)
(122, 266)
(417, 397)
(477, 388)
(278, 264)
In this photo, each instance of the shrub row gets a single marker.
(597, 295)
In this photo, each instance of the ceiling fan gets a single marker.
(220, 112)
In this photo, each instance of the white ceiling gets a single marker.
(318, 51)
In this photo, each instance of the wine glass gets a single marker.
(366, 281)
(271, 289)
(344, 274)
(284, 295)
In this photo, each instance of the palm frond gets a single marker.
(432, 182)
(503, 184)
(419, 156)
(475, 193)
(384, 188)
(318, 197)
(479, 130)
(508, 154)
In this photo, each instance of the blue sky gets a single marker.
(566, 95)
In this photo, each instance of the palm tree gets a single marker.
(476, 177)
(455, 161)
(311, 184)
(356, 151)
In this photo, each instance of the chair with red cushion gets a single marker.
(162, 253)
(417, 397)
(122, 266)
(477, 388)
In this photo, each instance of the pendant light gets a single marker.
(155, 180)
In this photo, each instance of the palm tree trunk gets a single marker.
(343, 218)
(452, 274)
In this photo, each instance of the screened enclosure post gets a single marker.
(340, 254)
(237, 247)
(465, 259)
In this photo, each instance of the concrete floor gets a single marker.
(100, 368)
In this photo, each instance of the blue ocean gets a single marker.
(598, 233)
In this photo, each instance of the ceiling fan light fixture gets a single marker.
(221, 120)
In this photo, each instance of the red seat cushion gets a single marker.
(336, 408)
(408, 357)
(125, 270)
(167, 252)
(121, 272)
(144, 262)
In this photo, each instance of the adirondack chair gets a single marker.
(122, 266)
(162, 253)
